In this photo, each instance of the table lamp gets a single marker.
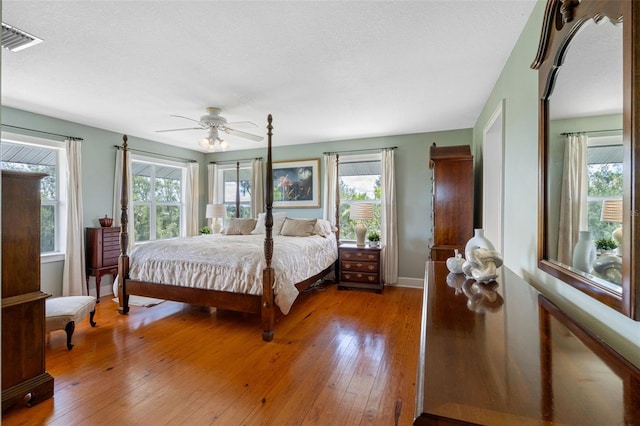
(361, 211)
(612, 212)
(215, 212)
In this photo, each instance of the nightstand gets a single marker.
(360, 267)
(102, 252)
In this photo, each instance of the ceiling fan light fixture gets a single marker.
(204, 143)
(224, 145)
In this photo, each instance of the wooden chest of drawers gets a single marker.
(360, 267)
(24, 376)
(102, 251)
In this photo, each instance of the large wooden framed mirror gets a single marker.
(589, 74)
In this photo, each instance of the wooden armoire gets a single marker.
(452, 192)
(24, 378)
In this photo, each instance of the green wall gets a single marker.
(518, 87)
(413, 179)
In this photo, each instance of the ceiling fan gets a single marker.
(213, 123)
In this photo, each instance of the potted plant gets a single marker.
(606, 244)
(374, 238)
(205, 230)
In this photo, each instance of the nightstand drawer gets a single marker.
(355, 266)
(359, 277)
(360, 255)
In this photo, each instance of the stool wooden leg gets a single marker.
(91, 321)
(69, 329)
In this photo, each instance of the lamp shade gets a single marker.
(362, 211)
(611, 211)
(215, 211)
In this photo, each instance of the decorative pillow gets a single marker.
(298, 227)
(278, 220)
(239, 227)
(323, 227)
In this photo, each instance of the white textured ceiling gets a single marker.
(326, 70)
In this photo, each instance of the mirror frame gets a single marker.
(562, 21)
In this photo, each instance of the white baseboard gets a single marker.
(409, 282)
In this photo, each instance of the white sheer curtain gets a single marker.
(117, 192)
(73, 274)
(573, 199)
(330, 181)
(257, 188)
(388, 216)
(192, 203)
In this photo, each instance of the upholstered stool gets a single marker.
(63, 312)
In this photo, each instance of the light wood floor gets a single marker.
(338, 358)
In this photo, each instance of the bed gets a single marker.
(246, 273)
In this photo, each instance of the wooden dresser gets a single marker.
(360, 267)
(503, 354)
(102, 251)
(452, 189)
(24, 378)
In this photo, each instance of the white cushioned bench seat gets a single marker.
(63, 312)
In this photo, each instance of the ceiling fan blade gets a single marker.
(177, 130)
(243, 124)
(186, 118)
(241, 134)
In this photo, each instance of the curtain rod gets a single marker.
(157, 154)
(73, 138)
(590, 131)
(361, 150)
(234, 161)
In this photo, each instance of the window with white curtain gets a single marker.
(360, 180)
(31, 154)
(229, 178)
(158, 198)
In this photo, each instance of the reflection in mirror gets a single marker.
(567, 346)
(585, 158)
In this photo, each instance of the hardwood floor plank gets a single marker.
(338, 358)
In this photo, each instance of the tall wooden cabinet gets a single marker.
(452, 189)
(24, 378)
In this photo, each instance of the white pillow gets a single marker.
(278, 221)
(323, 228)
(298, 227)
(239, 227)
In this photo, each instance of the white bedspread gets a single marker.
(233, 263)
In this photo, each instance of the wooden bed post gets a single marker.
(123, 259)
(237, 189)
(268, 278)
(338, 198)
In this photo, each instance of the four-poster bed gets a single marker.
(263, 300)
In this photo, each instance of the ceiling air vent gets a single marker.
(15, 39)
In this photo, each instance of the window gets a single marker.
(158, 194)
(30, 154)
(359, 180)
(229, 181)
(604, 172)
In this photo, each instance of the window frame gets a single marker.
(595, 142)
(358, 158)
(220, 184)
(61, 205)
(156, 162)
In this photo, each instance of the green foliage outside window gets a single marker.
(605, 181)
(156, 190)
(348, 194)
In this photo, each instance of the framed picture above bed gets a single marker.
(296, 183)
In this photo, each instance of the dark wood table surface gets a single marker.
(502, 354)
